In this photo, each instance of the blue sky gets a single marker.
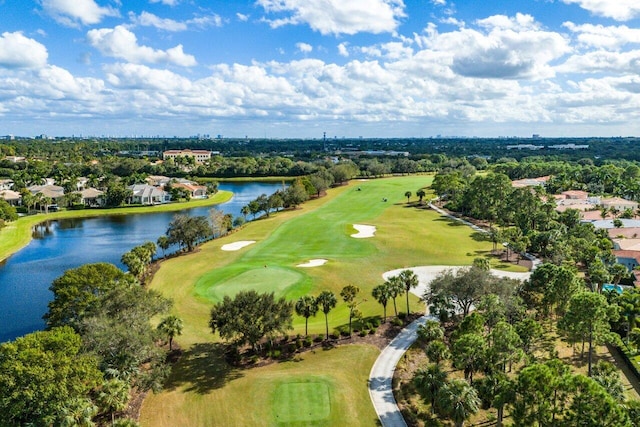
(298, 68)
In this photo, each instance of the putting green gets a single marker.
(278, 280)
(302, 400)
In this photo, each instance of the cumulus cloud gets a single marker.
(337, 16)
(121, 43)
(18, 51)
(506, 48)
(608, 37)
(304, 47)
(147, 19)
(74, 13)
(242, 17)
(620, 10)
(343, 49)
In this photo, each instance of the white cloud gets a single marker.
(304, 47)
(508, 48)
(439, 2)
(134, 76)
(18, 51)
(337, 16)
(147, 19)
(343, 49)
(599, 36)
(620, 10)
(121, 43)
(72, 13)
(242, 17)
(166, 2)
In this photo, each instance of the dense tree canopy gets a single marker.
(42, 375)
(249, 316)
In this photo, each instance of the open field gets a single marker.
(320, 229)
(17, 234)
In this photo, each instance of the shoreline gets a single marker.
(16, 235)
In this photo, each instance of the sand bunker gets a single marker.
(313, 263)
(237, 245)
(364, 231)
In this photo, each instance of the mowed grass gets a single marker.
(319, 388)
(205, 391)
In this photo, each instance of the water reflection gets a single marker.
(60, 245)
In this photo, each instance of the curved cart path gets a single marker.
(381, 375)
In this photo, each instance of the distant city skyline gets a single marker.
(298, 68)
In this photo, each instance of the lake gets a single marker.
(57, 246)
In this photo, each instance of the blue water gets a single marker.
(57, 246)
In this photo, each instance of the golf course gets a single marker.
(318, 387)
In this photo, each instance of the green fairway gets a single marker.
(405, 236)
(302, 400)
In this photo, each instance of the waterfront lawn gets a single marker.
(17, 234)
(319, 388)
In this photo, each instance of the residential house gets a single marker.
(144, 194)
(158, 180)
(630, 259)
(6, 184)
(196, 191)
(92, 197)
(619, 204)
(575, 195)
(54, 192)
(626, 233)
(12, 197)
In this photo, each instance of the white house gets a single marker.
(144, 194)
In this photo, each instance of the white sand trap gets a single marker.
(428, 273)
(364, 231)
(313, 263)
(237, 245)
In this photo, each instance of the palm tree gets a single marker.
(306, 307)
(171, 326)
(163, 243)
(78, 412)
(429, 381)
(348, 294)
(437, 351)
(409, 281)
(421, 193)
(458, 401)
(395, 289)
(407, 194)
(382, 294)
(114, 396)
(326, 301)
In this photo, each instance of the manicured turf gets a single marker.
(203, 391)
(302, 400)
(406, 236)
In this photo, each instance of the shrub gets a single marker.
(298, 343)
(372, 331)
(319, 338)
(291, 347)
(275, 354)
(375, 322)
(307, 342)
(363, 333)
(333, 336)
(397, 322)
(402, 315)
(344, 333)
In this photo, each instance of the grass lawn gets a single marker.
(319, 388)
(206, 391)
(17, 234)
